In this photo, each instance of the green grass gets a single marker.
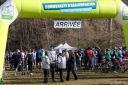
(85, 78)
(85, 82)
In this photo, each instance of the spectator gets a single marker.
(99, 55)
(34, 57)
(61, 65)
(53, 58)
(71, 65)
(107, 55)
(16, 59)
(88, 58)
(46, 67)
(30, 61)
(38, 58)
(78, 58)
(82, 53)
(93, 62)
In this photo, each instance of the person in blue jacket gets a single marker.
(38, 58)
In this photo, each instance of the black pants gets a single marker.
(73, 72)
(15, 65)
(61, 75)
(46, 75)
(53, 72)
(87, 64)
(78, 62)
(114, 64)
(30, 66)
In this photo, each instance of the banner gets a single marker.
(70, 6)
(73, 9)
(67, 24)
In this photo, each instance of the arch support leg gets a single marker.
(125, 30)
(3, 39)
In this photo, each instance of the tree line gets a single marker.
(40, 33)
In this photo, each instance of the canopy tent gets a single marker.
(58, 46)
(67, 47)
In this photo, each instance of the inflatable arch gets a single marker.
(12, 9)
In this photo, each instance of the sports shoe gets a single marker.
(31, 74)
(115, 71)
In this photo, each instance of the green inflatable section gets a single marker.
(68, 9)
(125, 30)
(3, 39)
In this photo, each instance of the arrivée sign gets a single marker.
(67, 24)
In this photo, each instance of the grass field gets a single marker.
(85, 82)
(85, 78)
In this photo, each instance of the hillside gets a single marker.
(39, 33)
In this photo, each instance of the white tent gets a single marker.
(67, 47)
(57, 47)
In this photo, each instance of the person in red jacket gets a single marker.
(88, 58)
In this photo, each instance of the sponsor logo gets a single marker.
(71, 6)
(7, 11)
(125, 14)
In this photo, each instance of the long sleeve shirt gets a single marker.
(61, 62)
(53, 56)
(46, 63)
